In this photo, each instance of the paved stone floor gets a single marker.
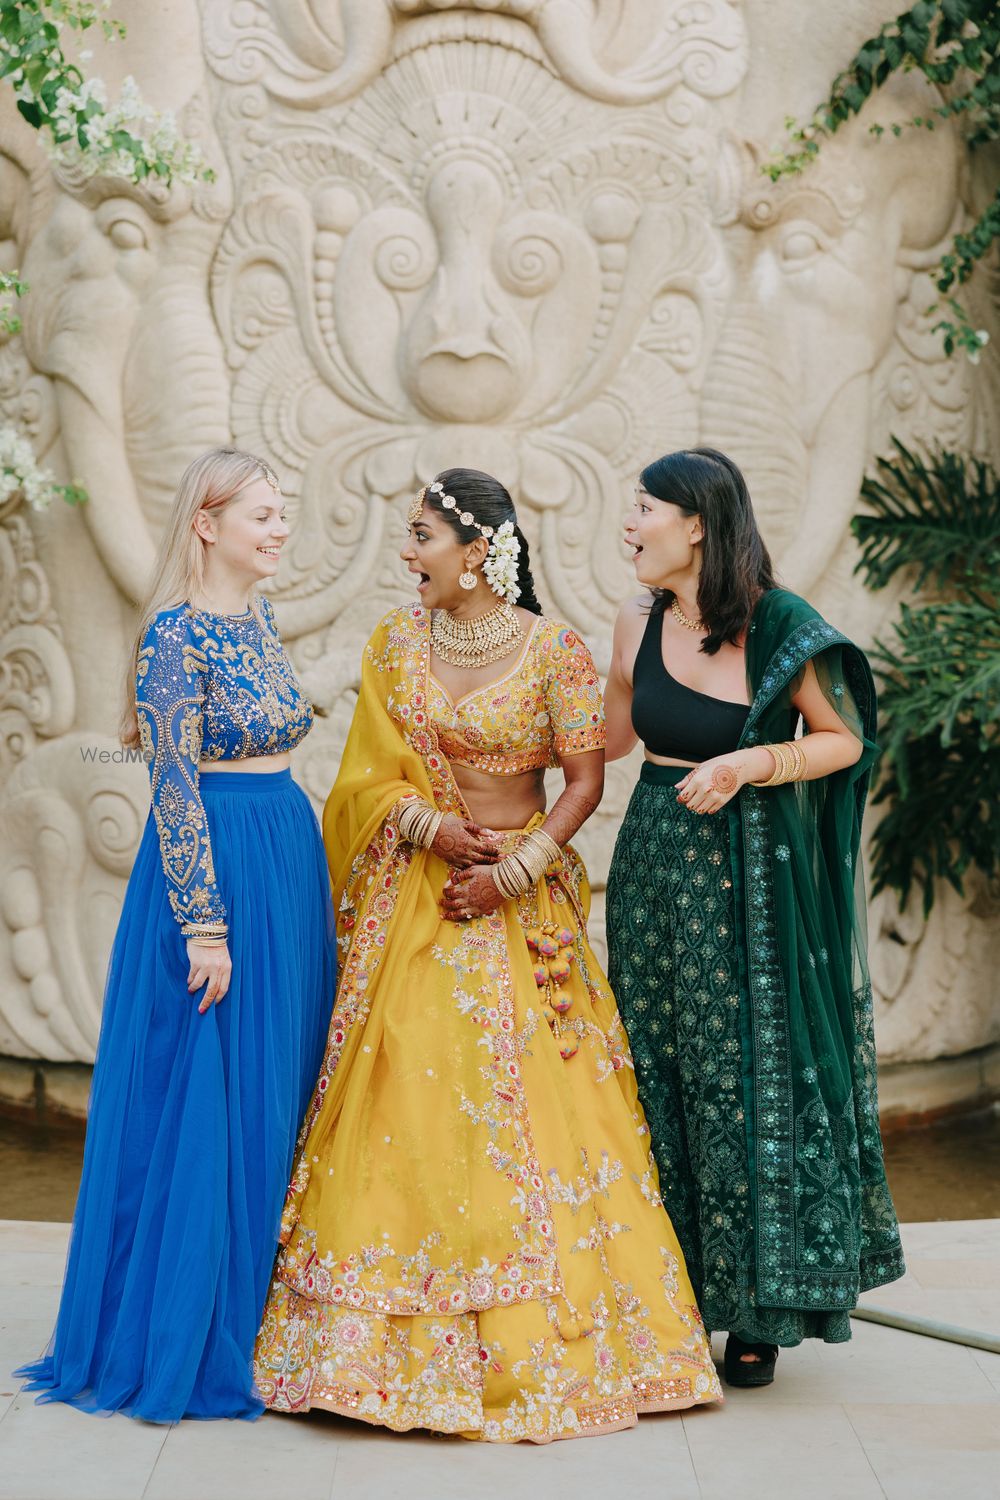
(888, 1415)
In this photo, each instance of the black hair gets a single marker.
(485, 498)
(735, 565)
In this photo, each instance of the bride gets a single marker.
(474, 1240)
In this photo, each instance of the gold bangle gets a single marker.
(790, 764)
(784, 765)
(418, 821)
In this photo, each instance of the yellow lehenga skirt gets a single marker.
(473, 1239)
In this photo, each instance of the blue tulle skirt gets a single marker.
(193, 1121)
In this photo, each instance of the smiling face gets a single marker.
(665, 541)
(437, 558)
(247, 537)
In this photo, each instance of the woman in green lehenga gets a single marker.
(735, 915)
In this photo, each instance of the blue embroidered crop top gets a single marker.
(208, 687)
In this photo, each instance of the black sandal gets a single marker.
(745, 1373)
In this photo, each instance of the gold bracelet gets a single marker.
(518, 871)
(789, 764)
(418, 821)
(777, 775)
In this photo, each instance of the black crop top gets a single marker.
(674, 720)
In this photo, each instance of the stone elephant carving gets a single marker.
(821, 267)
(666, 43)
(122, 327)
(69, 826)
(126, 336)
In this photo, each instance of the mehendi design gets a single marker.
(725, 780)
(569, 813)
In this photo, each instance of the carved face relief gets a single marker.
(464, 272)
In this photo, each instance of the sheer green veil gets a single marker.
(824, 1222)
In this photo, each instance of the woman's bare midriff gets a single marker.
(262, 763)
(501, 802)
(666, 760)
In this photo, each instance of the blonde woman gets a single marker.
(219, 988)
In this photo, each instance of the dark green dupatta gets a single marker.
(824, 1222)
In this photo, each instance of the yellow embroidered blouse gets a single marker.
(547, 706)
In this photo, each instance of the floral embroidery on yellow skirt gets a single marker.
(473, 1240)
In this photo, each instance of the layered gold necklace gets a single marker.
(683, 619)
(476, 642)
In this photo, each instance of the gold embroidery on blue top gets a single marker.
(208, 688)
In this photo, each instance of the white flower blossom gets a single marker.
(155, 145)
(500, 566)
(20, 470)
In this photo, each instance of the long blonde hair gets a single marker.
(211, 483)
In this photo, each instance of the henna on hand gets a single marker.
(725, 780)
(708, 787)
(474, 891)
(460, 843)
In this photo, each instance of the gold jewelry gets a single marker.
(682, 618)
(789, 764)
(418, 821)
(783, 766)
(467, 580)
(269, 475)
(450, 503)
(500, 568)
(476, 642)
(518, 871)
(417, 505)
(204, 930)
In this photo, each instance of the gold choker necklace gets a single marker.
(477, 642)
(682, 618)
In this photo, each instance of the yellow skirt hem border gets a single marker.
(346, 1407)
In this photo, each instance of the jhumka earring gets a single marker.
(467, 580)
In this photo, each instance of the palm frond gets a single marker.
(941, 670)
(942, 818)
(939, 515)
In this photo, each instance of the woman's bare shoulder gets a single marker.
(634, 613)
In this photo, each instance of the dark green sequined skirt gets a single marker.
(675, 971)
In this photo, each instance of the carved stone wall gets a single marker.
(528, 235)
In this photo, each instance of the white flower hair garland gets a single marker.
(501, 565)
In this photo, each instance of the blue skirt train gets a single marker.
(193, 1121)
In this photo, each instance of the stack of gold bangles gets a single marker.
(789, 763)
(418, 821)
(518, 871)
(206, 934)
